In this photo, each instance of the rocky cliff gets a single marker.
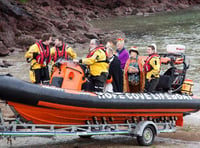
(23, 21)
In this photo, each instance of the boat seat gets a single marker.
(164, 84)
(57, 81)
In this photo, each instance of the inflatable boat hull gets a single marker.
(49, 105)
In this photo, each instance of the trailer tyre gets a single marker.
(147, 137)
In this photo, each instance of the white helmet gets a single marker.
(155, 47)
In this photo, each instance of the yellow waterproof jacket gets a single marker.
(155, 71)
(70, 52)
(97, 62)
(29, 55)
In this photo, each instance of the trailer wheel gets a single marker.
(85, 136)
(147, 137)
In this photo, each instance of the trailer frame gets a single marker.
(145, 131)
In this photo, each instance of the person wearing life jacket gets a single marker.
(134, 76)
(122, 53)
(115, 71)
(61, 50)
(98, 65)
(39, 57)
(152, 69)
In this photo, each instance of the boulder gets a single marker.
(21, 23)
(16, 50)
(25, 40)
(78, 25)
(13, 9)
(91, 35)
(3, 49)
(6, 63)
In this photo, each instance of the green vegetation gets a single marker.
(23, 1)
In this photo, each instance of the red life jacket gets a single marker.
(62, 54)
(101, 47)
(147, 66)
(94, 50)
(44, 57)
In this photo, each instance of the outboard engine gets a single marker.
(173, 77)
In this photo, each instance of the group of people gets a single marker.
(113, 70)
(40, 55)
(131, 72)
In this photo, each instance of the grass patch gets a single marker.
(23, 1)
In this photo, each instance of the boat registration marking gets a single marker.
(143, 96)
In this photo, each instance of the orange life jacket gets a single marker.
(44, 57)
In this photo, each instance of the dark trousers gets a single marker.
(150, 86)
(42, 75)
(96, 83)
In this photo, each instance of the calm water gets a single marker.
(167, 28)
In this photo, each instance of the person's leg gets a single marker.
(97, 82)
(37, 76)
(88, 85)
(98, 86)
(45, 75)
(147, 84)
(152, 85)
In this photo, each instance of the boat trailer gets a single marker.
(145, 131)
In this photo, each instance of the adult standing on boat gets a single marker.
(98, 64)
(61, 50)
(115, 70)
(134, 76)
(39, 57)
(152, 69)
(122, 53)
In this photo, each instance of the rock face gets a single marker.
(23, 21)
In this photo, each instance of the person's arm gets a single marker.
(33, 50)
(91, 60)
(71, 53)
